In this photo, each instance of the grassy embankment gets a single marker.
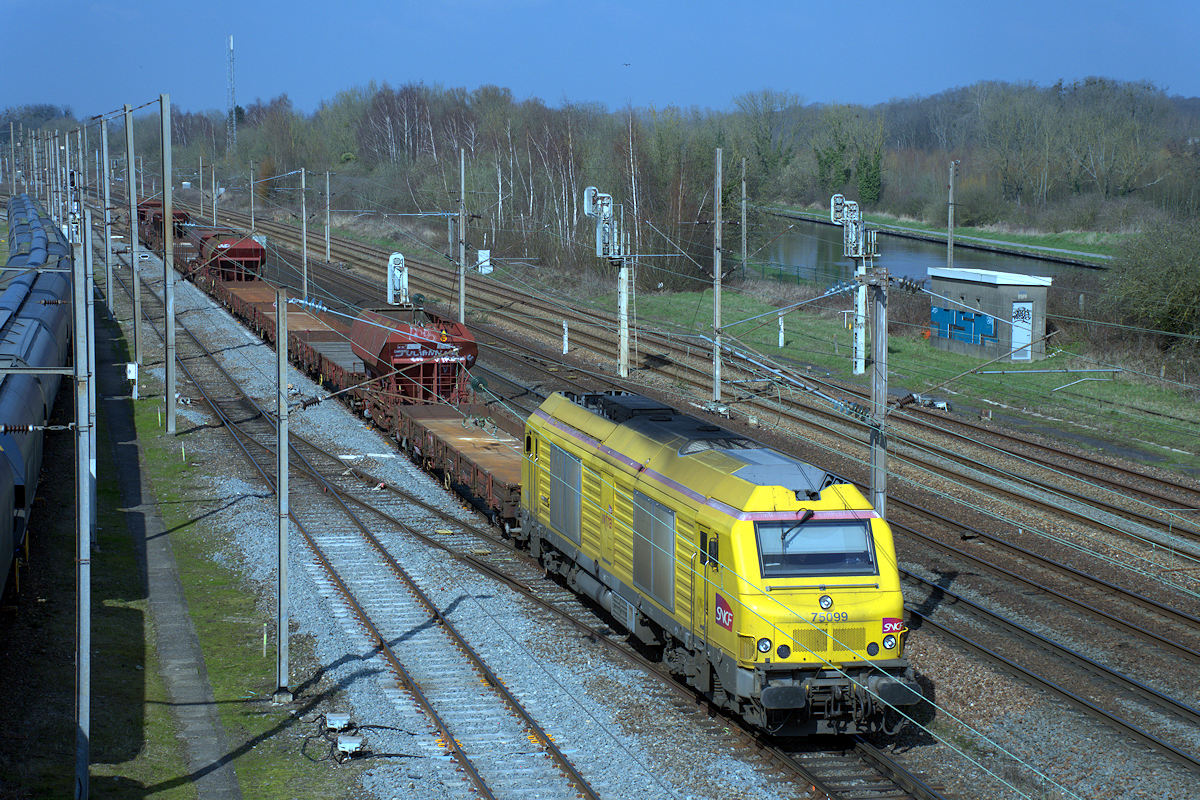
(134, 746)
(1089, 242)
(1124, 410)
(275, 755)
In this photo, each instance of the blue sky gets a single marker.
(678, 53)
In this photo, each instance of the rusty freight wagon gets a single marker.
(405, 369)
(209, 255)
(150, 222)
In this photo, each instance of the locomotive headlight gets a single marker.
(889, 641)
(764, 645)
(784, 651)
(826, 602)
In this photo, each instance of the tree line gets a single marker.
(1095, 154)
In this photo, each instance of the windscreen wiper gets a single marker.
(805, 517)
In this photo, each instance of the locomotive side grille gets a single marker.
(810, 639)
(849, 637)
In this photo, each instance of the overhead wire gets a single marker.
(789, 636)
(652, 266)
(514, 639)
(823, 400)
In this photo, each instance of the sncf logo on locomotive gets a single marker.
(724, 614)
(892, 625)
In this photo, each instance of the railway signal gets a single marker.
(397, 282)
(599, 206)
(609, 240)
(859, 244)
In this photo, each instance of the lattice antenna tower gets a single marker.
(231, 116)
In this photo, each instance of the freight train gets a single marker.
(34, 332)
(767, 583)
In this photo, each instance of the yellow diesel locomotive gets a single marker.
(769, 584)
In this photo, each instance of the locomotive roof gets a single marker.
(691, 437)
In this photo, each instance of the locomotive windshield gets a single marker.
(815, 548)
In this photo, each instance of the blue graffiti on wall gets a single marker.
(963, 326)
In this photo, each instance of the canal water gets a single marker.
(813, 251)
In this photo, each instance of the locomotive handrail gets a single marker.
(823, 587)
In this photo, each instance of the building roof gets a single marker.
(989, 277)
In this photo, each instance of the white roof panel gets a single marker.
(989, 277)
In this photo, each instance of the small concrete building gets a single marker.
(988, 313)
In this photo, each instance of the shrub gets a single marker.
(1153, 280)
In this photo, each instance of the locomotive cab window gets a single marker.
(815, 548)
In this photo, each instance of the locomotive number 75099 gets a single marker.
(830, 616)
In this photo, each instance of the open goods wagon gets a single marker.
(405, 369)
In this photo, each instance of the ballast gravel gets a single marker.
(613, 722)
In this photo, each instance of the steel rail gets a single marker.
(288, 232)
(883, 764)
(1169, 704)
(540, 735)
(397, 666)
(1177, 615)
(1081, 703)
(880, 763)
(1063, 597)
(922, 418)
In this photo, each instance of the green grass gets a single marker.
(1090, 242)
(1123, 411)
(268, 741)
(136, 744)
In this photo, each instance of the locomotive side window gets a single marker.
(812, 548)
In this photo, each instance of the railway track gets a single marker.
(1113, 605)
(600, 339)
(1114, 699)
(355, 574)
(484, 727)
(1118, 700)
(1089, 493)
(858, 770)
